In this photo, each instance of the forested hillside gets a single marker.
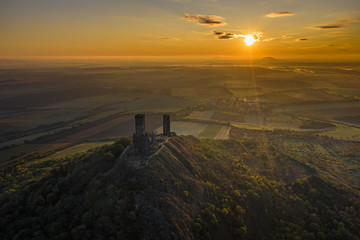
(193, 189)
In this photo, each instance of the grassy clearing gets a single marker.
(211, 131)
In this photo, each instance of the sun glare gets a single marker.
(249, 40)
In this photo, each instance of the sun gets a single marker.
(249, 40)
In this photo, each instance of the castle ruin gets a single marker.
(142, 143)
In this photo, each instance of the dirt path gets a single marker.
(223, 133)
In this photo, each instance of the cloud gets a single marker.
(287, 36)
(280, 14)
(328, 27)
(337, 24)
(302, 39)
(284, 37)
(229, 35)
(209, 20)
(269, 39)
(169, 38)
(225, 35)
(218, 33)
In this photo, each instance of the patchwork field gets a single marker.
(117, 126)
(259, 96)
(154, 103)
(92, 102)
(27, 119)
(227, 117)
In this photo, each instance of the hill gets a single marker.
(192, 189)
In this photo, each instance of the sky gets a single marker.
(289, 29)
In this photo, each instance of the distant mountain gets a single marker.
(192, 189)
(269, 60)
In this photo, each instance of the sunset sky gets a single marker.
(315, 29)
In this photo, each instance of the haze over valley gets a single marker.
(180, 120)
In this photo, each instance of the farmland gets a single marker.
(45, 107)
(82, 147)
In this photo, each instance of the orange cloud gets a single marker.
(169, 38)
(337, 24)
(209, 20)
(280, 14)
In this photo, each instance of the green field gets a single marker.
(211, 131)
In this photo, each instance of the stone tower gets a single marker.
(166, 125)
(140, 138)
(139, 125)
